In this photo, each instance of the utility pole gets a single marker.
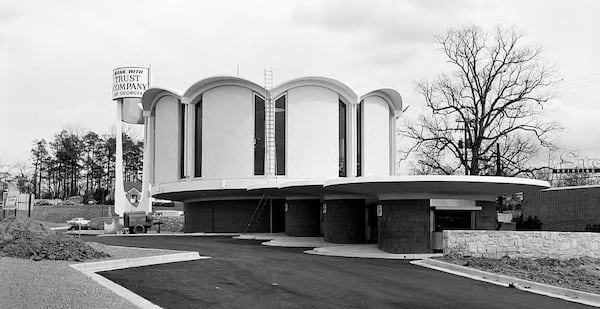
(29, 206)
(499, 173)
(466, 145)
(498, 163)
(466, 158)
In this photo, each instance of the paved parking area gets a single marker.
(244, 274)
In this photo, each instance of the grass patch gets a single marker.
(60, 214)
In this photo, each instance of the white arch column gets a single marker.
(122, 204)
(145, 202)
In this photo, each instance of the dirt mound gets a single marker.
(24, 238)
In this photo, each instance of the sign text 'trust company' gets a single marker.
(130, 82)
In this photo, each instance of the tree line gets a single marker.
(82, 164)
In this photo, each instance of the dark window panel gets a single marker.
(198, 139)
(182, 141)
(280, 107)
(359, 139)
(342, 139)
(259, 135)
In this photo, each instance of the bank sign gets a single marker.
(130, 82)
(573, 163)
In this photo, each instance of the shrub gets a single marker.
(529, 224)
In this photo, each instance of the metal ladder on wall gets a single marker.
(257, 213)
(269, 128)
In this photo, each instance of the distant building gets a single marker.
(133, 192)
(568, 209)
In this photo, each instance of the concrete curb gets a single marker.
(339, 251)
(585, 298)
(281, 243)
(91, 269)
(59, 228)
(170, 234)
(84, 232)
(260, 236)
(136, 262)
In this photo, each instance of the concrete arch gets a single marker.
(391, 96)
(153, 95)
(206, 84)
(346, 94)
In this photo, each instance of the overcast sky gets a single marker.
(56, 57)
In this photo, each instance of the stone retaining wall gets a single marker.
(532, 244)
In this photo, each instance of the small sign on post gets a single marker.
(10, 200)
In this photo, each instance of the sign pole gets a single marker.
(29, 207)
(129, 84)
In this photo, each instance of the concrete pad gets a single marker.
(366, 251)
(298, 242)
(283, 240)
(260, 236)
(321, 247)
(585, 298)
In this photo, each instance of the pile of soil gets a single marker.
(24, 238)
(581, 274)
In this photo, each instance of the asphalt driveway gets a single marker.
(244, 274)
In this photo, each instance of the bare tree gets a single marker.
(493, 98)
(6, 173)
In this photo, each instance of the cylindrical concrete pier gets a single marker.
(198, 217)
(225, 216)
(302, 217)
(344, 221)
(404, 226)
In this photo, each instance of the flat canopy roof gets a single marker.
(306, 187)
(382, 188)
(434, 186)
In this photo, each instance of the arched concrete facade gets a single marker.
(227, 133)
(166, 139)
(377, 116)
(206, 134)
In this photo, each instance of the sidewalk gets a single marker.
(321, 247)
(367, 251)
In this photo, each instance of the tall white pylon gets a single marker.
(129, 84)
(122, 204)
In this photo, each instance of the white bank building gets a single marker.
(309, 157)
